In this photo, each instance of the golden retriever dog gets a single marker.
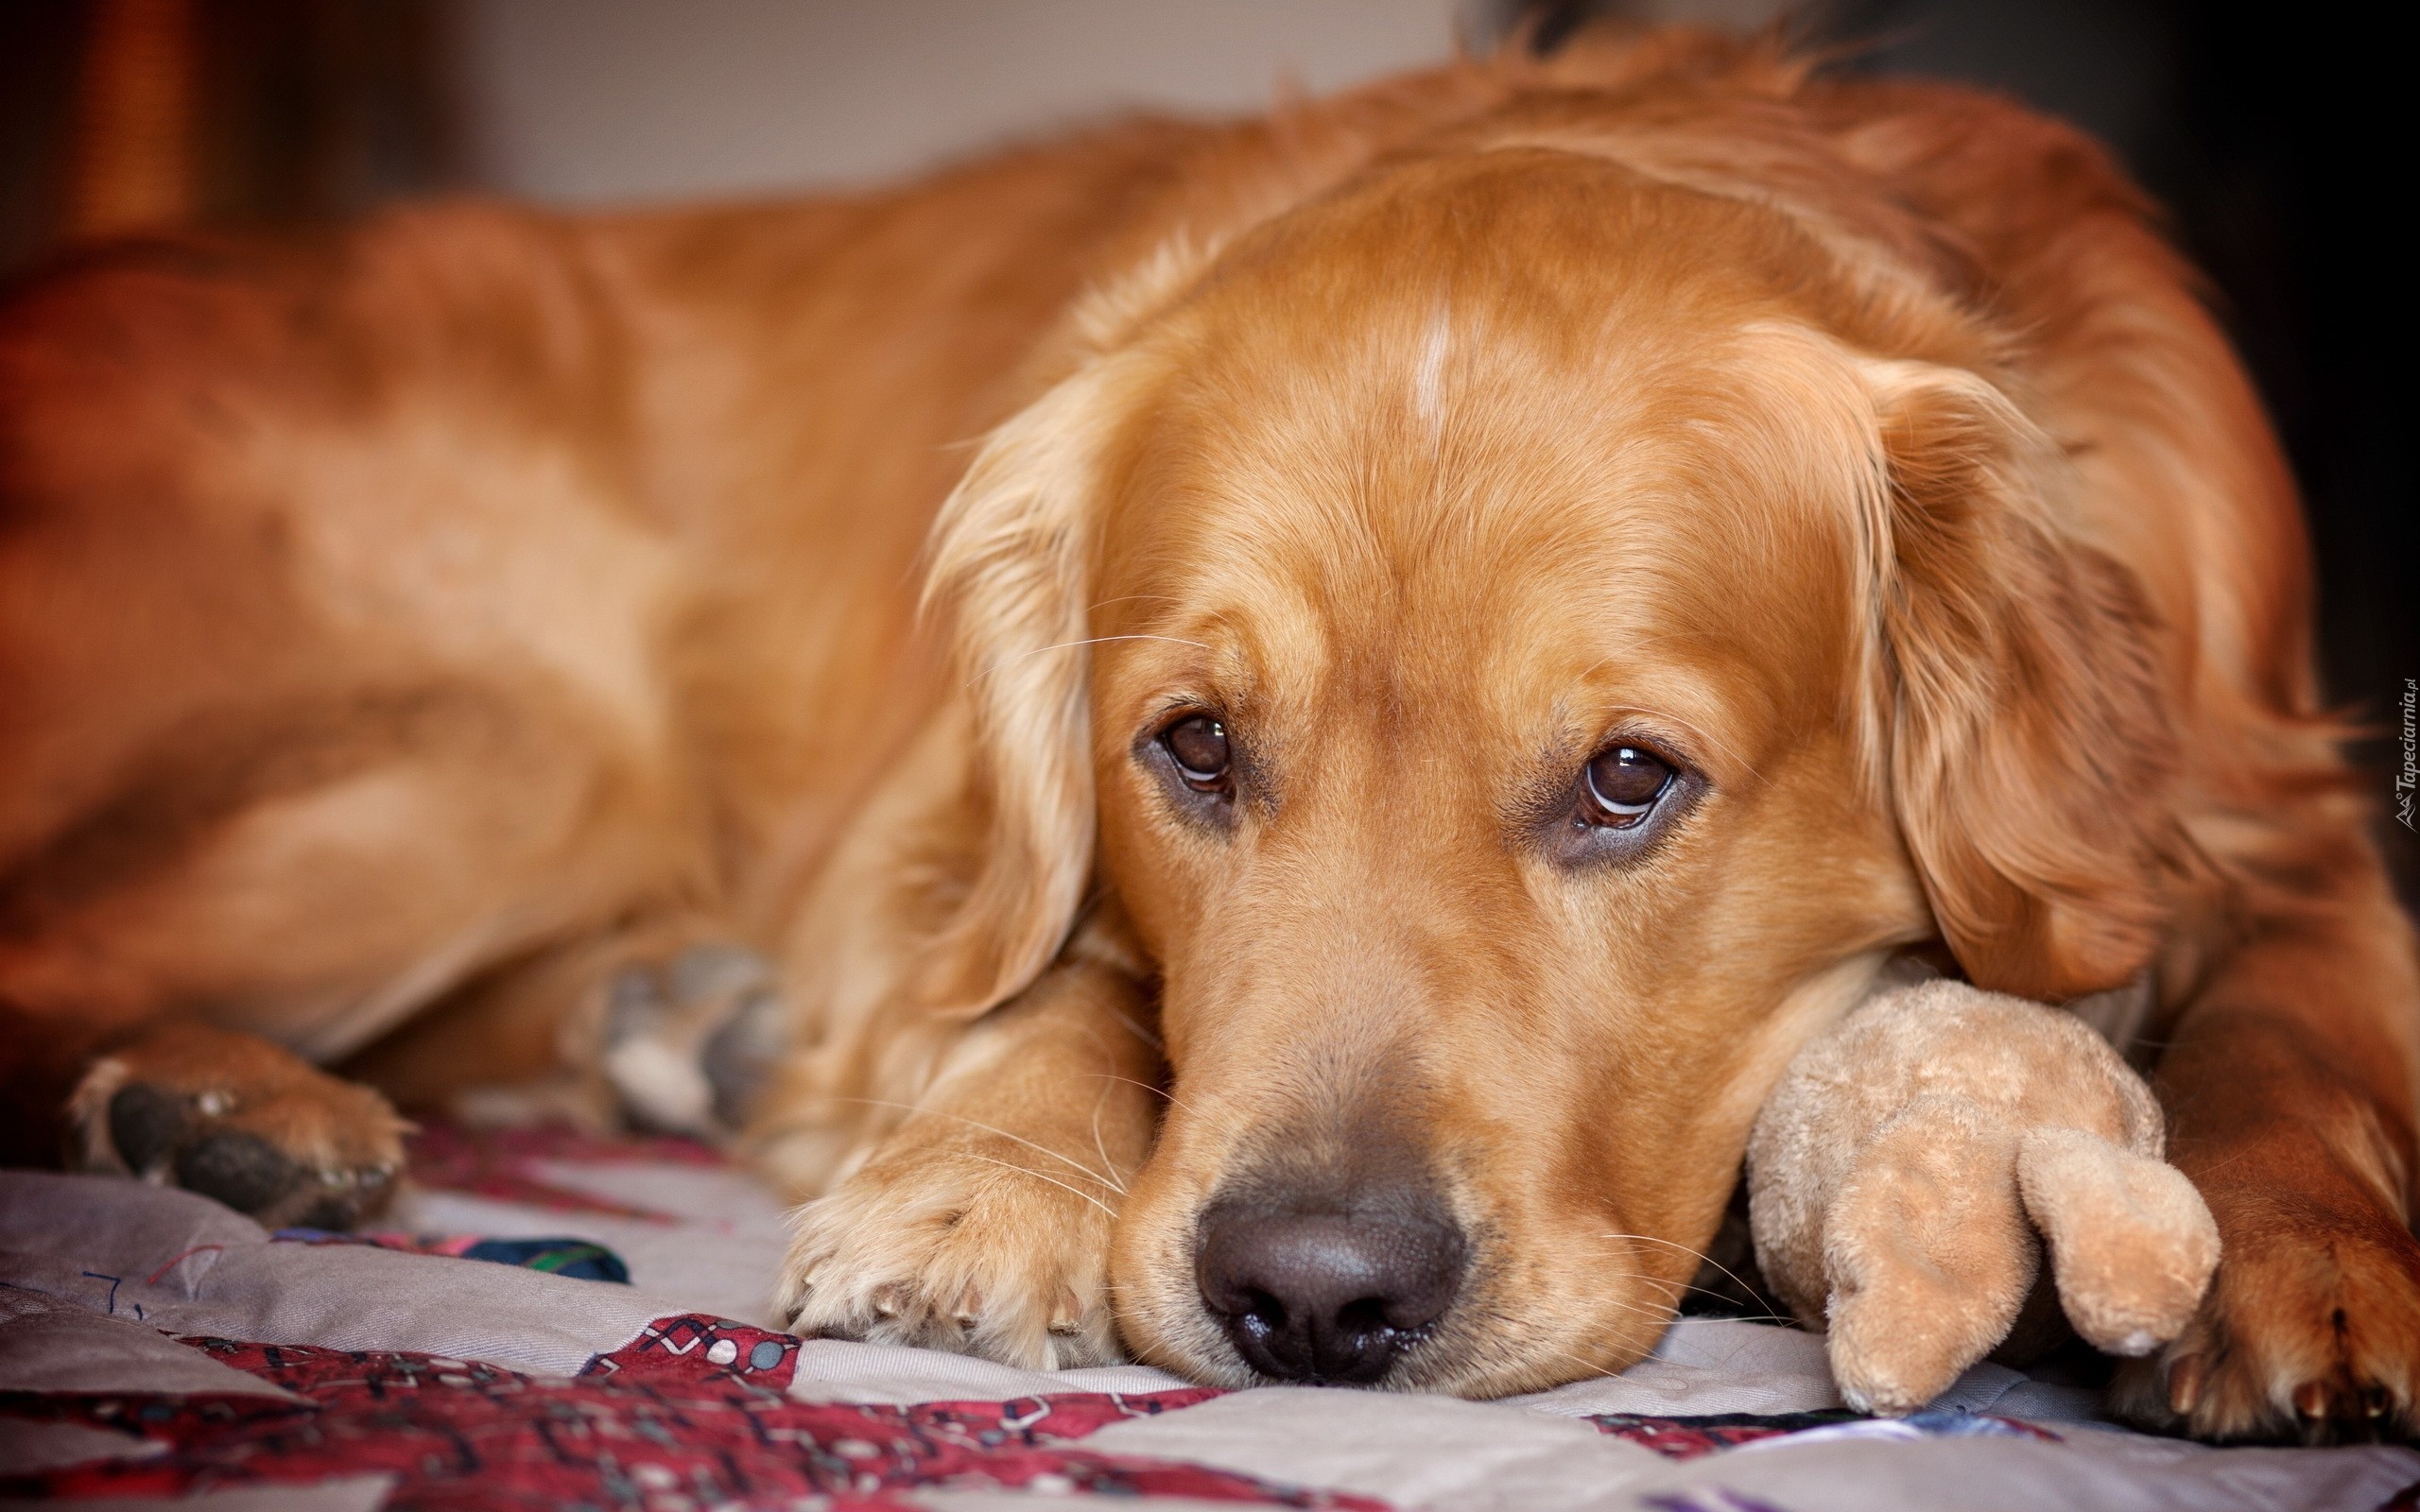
(1459, 623)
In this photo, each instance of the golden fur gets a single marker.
(423, 625)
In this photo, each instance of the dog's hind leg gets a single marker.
(666, 1022)
(365, 864)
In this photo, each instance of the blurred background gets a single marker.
(2268, 137)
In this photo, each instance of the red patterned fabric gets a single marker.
(507, 1165)
(691, 1415)
(1688, 1438)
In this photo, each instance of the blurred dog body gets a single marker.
(1489, 604)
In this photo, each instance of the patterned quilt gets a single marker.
(554, 1321)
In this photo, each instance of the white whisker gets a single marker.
(1042, 1149)
(1139, 1031)
(1012, 1165)
(1097, 640)
(1112, 1076)
(1694, 1254)
(1098, 1144)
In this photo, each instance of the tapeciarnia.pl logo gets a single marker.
(2406, 779)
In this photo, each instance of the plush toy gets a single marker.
(1918, 1158)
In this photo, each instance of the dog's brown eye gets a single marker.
(1623, 785)
(1199, 747)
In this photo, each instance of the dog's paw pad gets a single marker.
(244, 1171)
(147, 1124)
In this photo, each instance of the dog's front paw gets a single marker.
(236, 1117)
(961, 1241)
(2311, 1335)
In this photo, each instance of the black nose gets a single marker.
(1324, 1298)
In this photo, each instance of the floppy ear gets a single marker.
(2029, 751)
(1009, 561)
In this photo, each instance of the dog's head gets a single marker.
(1515, 640)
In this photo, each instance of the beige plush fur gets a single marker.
(1916, 1160)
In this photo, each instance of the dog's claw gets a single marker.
(2184, 1379)
(2311, 1400)
(1067, 1314)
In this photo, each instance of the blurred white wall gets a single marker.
(603, 100)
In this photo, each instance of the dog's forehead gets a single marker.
(1392, 445)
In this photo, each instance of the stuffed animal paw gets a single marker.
(1916, 1161)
